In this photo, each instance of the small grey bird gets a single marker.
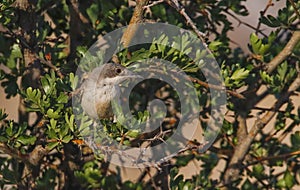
(101, 87)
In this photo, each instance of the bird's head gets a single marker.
(111, 74)
(101, 87)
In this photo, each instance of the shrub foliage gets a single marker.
(43, 41)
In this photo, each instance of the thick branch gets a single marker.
(287, 50)
(242, 126)
(12, 152)
(232, 172)
(32, 158)
(79, 27)
(136, 18)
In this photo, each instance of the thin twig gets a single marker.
(287, 131)
(151, 178)
(296, 10)
(175, 4)
(262, 13)
(244, 23)
(216, 87)
(153, 4)
(281, 156)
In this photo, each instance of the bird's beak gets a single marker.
(129, 74)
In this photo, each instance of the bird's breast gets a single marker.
(97, 102)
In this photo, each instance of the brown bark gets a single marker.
(136, 18)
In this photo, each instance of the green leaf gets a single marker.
(255, 42)
(67, 138)
(264, 49)
(248, 185)
(43, 31)
(266, 77)
(15, 54)
(52, 134)
(240, 74)
(81, 51)
(73, 80)
(258, 170)
(27, 140)
(178, 180)
(8, 175)
(289, 180)
(9, 129)
(173, 172)
(70, 122)
(274, 21)
(11, 86)
(3, 139)
(270, 21)
(53, 123)
(33, 95)
(183, 160)
(45, 85)
(282, 70)
(53, 114)
(49, 83)
(62, 98)
(52, 145)
(295, 140)
(93, 12)
(214, 45)
(132, 133)
(3, 115)
(63, 131)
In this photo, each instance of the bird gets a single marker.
(101, 87)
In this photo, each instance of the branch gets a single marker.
(281, 156)
(287, 131)
(242, 126)
(153, 4)
(295, 8)
(287, 50)
(12, 152)
(207, 86)
(232, 171)
(22, 41)
(33, 158)
(130, 31)
(175, 4)
(136, 18)
(262, 13)
(245, 23)
(75, 7)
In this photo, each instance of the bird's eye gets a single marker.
(118, 70)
